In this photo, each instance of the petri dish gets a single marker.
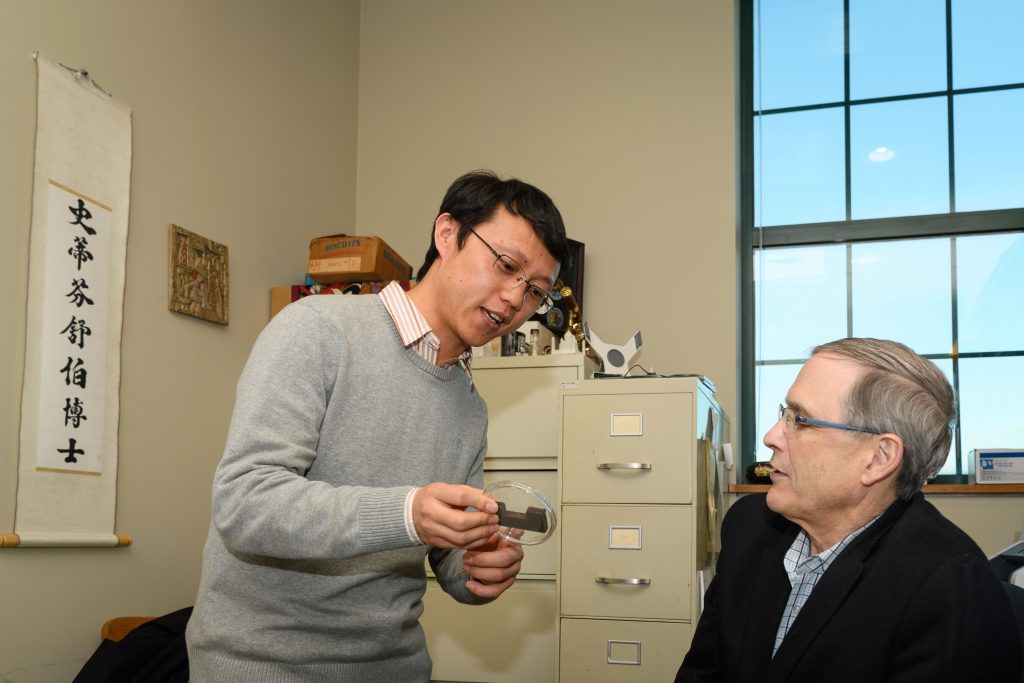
(525, 516)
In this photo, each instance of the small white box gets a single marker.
(998, 465)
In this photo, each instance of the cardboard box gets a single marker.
(279, 298)
(998, 465)
(349, 258)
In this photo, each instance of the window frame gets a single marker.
(752, 237)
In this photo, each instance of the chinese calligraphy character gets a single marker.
(74, 412)
(77, 331)
(79, 251)
(74, 375)
(78, 297)
(81, 214)
(71, 451)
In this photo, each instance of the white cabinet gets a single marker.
(511, 640)
(638, 523)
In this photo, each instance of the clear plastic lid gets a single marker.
(525, 516)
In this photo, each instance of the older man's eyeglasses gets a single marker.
(533, 296)
(792, 419)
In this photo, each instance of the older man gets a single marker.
(843, 571)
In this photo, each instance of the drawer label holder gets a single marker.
(624, 652)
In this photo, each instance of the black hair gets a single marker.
(474, 197)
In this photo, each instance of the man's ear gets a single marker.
(885, 460)
(446, 235)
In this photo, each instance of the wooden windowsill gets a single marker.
(929, 488)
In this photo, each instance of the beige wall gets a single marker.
(994, 521)
(244, 131)
(622, 111)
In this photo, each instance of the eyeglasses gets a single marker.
(534, 296)
(792, 419)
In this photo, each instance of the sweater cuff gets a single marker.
(382, 519)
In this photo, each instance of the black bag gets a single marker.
(153, 652)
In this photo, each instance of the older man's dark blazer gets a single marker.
(912, 598)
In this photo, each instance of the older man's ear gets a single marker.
(885, 461)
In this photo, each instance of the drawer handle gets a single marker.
(624, 466)
(631, 582)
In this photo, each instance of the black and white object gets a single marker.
(615, 359)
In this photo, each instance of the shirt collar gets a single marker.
(799, 560)
(414, 329)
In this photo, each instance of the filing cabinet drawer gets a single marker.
(620, 561)
(510, 640)
(607, 651)
(627, 448)
(522, 413)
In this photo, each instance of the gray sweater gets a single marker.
(308, 571)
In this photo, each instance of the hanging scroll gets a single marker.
(67, 468)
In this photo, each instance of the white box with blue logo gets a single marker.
(998, 465)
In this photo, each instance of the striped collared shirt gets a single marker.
(416, 333)
(414, 329)
(804, 572)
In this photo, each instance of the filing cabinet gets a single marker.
(512, 639)
(638, 461)
(522, 406)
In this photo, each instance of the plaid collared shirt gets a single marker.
(804, 572)
(416, 333)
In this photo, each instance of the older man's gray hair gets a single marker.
(905, 394)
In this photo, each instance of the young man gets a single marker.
(844, 572)
(356, 448)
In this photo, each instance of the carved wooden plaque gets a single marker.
(197, 276)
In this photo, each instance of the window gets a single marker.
(882, 195)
